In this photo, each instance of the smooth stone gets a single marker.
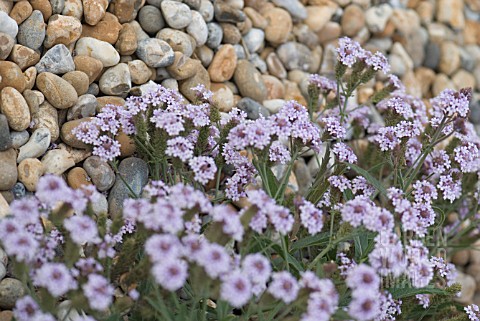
(10, 291)
(353, 20)
(226, 13)
(19, 138)
(48, 118)
(318, 16)
(97, 49)
(57, 161)
(79, 80)
(151, 19)
(451, 12)
(78, 177)
(139, 72)
(29, 172)
(223, 64)
(294, 7)
(108, 29)
(275, 88)
(4, 207)
(254, 40)
(11, 76)
(201, 77)
(463, 79)
(450, 59)
(8, 171)
(376, 17)
(198, 29)
(94, 10)
(231, 34)
(78, 155)
(90, 66)
(155, 53)
(206, 10)
(57, 60)
(43, 6)
(85, 106)
(296, 56)
(177, 15)
(62, 30)
(93, 89)
(73, 8)
(215, 35)
(66, 133)
(116, 81)
(249, 81)
(275, 66)
(253, 109)
(222, 97)
(279, 25)
(274, 105)
(134, 172)
(57, 90)
(112, 100)
(3, 272)
(5, 138)
(205, 55)
(15, 108)
(18, 191)
(468, 287)
(183, 67)
(102, 175)
(3, 257)
(6, 45)
(432, 56)
(24, 57)
(30, 76)
(57, 6)
(100, 206)
(178, 40)
(127, 40)
(21, 11)
(8, 25)
(127, 10)
(31, 32)
(36, 146)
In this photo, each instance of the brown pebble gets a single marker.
(62, 30)
(223, 64)
(183, 67)
(127, 145)
(112, 100)
(231, 34)
(24, 57)
(29, 172)
(11, 76)
(43, 6)
(78, 177)
(127, 40)
(90, 66)
(107, 29)
(79, 80)
(7, 315)
(21, 11)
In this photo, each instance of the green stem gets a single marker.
(285, 251)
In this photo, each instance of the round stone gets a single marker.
(62, 30)
(57, 60)
(201, 77)
(151, 19)
(57, 91)
(6, 45)
(36, 146)
(127, 40)
(177, 15)
(116, 80)
(94, 10)
(78, 177)
(108, 29)
(206, 10)
(97, 49)
(11, 76)
(215, 35)
(21, 11)
(24, 57)
(294, 7)
(19, 138)
(73, 8)
(10, 291)
(47, 117)
(222, 97)
(102, 175)
(15, 108)
(31, 32)
(253, 109)
(254, 40)
(79, 80)
(183, 67)
(90, 66)
(296, 56)
(8, 25)
(57, 161)
(279, 25)
(139, 72)
(29, 172)
(8, 172)
(155, 53)
(68, 137)
(198, 29)
(179, 41)
(353, 20)
(223, 64)
(249, 81)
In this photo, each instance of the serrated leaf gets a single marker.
(372, 180)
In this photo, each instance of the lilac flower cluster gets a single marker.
(364, 283)
(350, 52)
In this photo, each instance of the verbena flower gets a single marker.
(378, 61)
(98, 292)
(56, 278)
(349, 51)
(170, 273)
(214, 259)
(423, 300)
(364, 278)
(180, 147)
(279, 153)
(257, 268)
(424, 191)
(451, 189)
(106, 148)
(340, 182)
(236, 289)
(386, 138)
(467, 156)
(323, 83)
(450, 102)
(161, 247)
(333, 126)
(83, 229)
(229, 219)
(284, 287)
(311, 217)
(171, 122)
(25, 308)
(344, 153)
(204, 168)
(364, 308)
(473, 312)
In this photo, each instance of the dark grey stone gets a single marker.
(252, 108)
(226, 13)
(215, 35)
(100, 172)
(5, 138)
(151, 19)
(432, 56)
(18, 190)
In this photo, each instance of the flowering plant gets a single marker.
(222, 232)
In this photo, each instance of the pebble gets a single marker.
(15, 108)
(451, 12)
(11, 76)
(4, 207)
(376, 17)
(318, 16)
(198, 29)
(177, 40)
(108, 29)
(69, 138)
(3, 272)
(183, 67)
(57, 161)
(73, 8)
(5, 138)
(127, 40)
(62, 30)
(353, 19)
(274, 105)
(254, 40)
(21, 11)
(97, 49)
(36, 146)
(48, 118)
(8, 171)
(57, 90)
(252, 108)
(297, 56)
(31, 32)
(205, 55)
(279, 25)
(294, 7)
(29, 172)
(94, 10)
(177, 15)
(57, 60)
(201, 77)
(226, 13)
(275, 66)
(90, 66)
(223, 64)
(19, 138)
(222, 97)
(79, 80)
(134, 172)
(468, 287)
(432, 55)
(450, 58)
(275, 88)
(100, 205)
(85, 106)
(151, 19)
(155, 52)
(78, 177)
(249, 81)
(139, 72)
(6, 45)
(116, 80)
(215, 35)
(231, 34)
(102, 175)
(24, 57)
(10, 291)
(8, 25)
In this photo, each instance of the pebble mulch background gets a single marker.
(61, 61)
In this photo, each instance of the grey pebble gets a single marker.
(294, 7)
(5, 138)
(36, 146)
(19, 138)
(215, 35)
(155, 53)
(254, 39)
(100, 172)
(116, 80)
(57, 6)
(151, 19)
(295, 56)
(252, 108)
(31, 32)
(57, 60)
(10, 291)
(8, 25)
(85, 106)
(177, 15)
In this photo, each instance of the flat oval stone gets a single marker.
(253, 109)
(90, 66)
(155, 53)
(19, 138)
(108, 29)
(177, 15)
(97, 49)
(8, 172)
(36, 146)
(140, 73)
(201, 77)
(15, 108)
(79, 80)
(47, 117)
(11, 76)
(215, 35)
(223, 64)
(57, 91)
(100, 172)
(31, 32)
(21, 11)
(296, 56)
(5, 138)
(151, 19)
(10, 291)
(78, 177)
(279, 25)
(6, 45)
(249, 81)
(29, 172)
(198, 29)
(57, 161)
(73, 8)
(8, 25)
(183, 67)
(57, 60)
(62, 30)
(127, 40)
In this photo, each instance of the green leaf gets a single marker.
(311, 240)
(372, 180)
(348, 194)
(399, 293)
(290, 259)
(363, 245)
(272, 182)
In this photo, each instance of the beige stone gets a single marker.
(94, 10)
(140, 73)
(24, 57)
(15, 108)
(451, 12)
(57, 161)
(67, 135)
(127, 40)
(48, 118)
(30, 76)
(4, 207)
(79, 80)
(223, 64)
(29, 172)
(222, 97)
(21, 11)
(8, 170)
(450, 58)
(90, 66)
(275, 88)
(59, 92)
(108, 29)
(11, 76)
(353, 20)
(183, 67)
(279, 25)
(62, 30)
(43, 6)
(463, 79)
(318, 16)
